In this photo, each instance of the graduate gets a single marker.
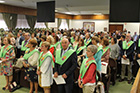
(44, 68)
(25, 43)
(87, 40)
(87, 77)
(65, 65)
(127, 53)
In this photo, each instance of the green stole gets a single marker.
(51, 46)
(40, 44)
(105, 49)
(42, 58)
(85, 66)
(139, 43)
(86, 43)
(23, 48)
(80, 49)
(72, 40)
(4, 51)
(70, 45)
(28, 54)
(62, 59)
(126, 46)
(99, 48)
(75, 47)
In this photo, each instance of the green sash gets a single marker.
(99, 48)
(40, 44)
(28, 54)
(42, 58)
(75, 47)
(72, 40)
(105, 49)
(23, 48)
(80, 49)
(70, 45)
(61, 60)
(4, 51)
(139, 43)
(86, 43)
(126, 46)
(85, 66)
(51, 46)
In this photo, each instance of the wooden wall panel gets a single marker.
(17, 10)
(27, 11)
(101, 17)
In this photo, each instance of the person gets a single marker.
(50, 39)
(127, 53)
(98, 55)
(65, 65)
(80, 51)
(72, 37)
(11, 36)
(7, 54)
(33, 36)
(43, 39)
(18, 45)
(87, 40)
(135, 37)
(76, 41)
(106, 51)
(25, 43)
(115, 50)
(57, 44)
(30, 63)
(87, 77)
(45, 70)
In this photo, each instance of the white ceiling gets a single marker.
(75, 7)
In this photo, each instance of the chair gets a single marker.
(113, 67)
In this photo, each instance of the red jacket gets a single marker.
(90, 75)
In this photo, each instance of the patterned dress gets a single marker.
(6, 67)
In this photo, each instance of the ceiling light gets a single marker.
(97, 13)
(2, 1)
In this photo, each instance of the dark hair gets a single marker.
(33, 42)
(115, 40)
(123, 36)
(8, 39)
(56, 38)
(96, 39)
(82, 41)
(44, 37)
(105, 42)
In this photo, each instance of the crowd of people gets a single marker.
(45, 53)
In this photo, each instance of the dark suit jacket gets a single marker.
(68, 67)
(137, 49)
(129, 52)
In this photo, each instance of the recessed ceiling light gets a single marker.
(2, 1)
(97, 13)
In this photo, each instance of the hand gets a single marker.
(64, 76)
(79, 83)
(55, 74)
(139, 55)
(124, 57)
(3, 60)
(38, 72)
(24, 64)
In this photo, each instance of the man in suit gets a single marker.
(127, 53)
(66, 63)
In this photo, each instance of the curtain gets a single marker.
(31, 21)
(10, 20)
(46, 24)
(67, 20)
(59, 22)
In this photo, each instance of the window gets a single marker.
(63, 24)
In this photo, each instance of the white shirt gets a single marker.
(64, 51)
(17, 43)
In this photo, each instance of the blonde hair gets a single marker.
(46, 44)
(10, 35)
(52, 39)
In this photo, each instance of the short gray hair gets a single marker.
(92, 48)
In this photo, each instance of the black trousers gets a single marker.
(66, 88)
(18, 54)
